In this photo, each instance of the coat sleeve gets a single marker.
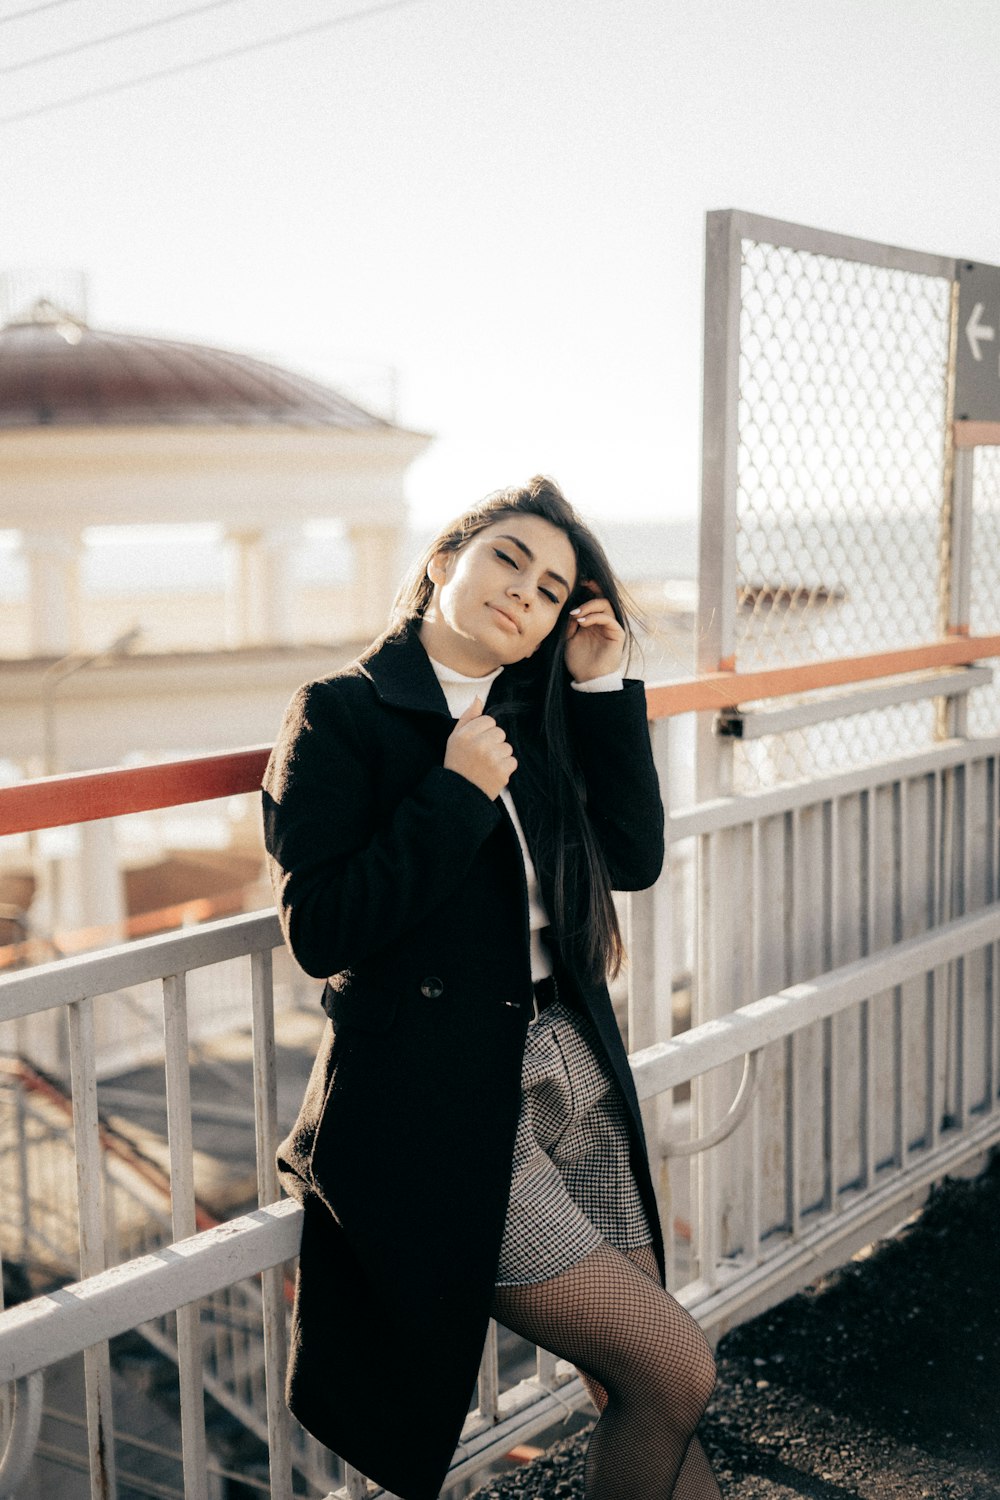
(346, 884)
(611, 736)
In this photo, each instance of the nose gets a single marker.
(520, 590)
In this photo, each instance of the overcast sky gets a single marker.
(502, 199)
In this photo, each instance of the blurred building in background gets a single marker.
(102, 429)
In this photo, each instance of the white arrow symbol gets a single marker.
(975, 331)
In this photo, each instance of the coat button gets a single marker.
(432, 988)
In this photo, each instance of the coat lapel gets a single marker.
(401, 673)
(403, 677)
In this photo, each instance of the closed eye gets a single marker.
(553, 598)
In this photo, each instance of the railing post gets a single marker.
(715, 651)
(23, 1184)
(90, 1184)
(7, 1392)
(650, 994)
(488, 1392)
(272, 1281)
(715, 635)
(182, 1200)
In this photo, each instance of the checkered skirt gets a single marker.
(571, 1181)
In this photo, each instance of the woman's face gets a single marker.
(497, 599)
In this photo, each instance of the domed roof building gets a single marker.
(57, 372)
(106, 428)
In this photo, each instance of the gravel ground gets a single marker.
(880, 1382)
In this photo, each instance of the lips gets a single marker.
(507, 618)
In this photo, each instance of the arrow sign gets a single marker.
(977, 369)
(976, 330)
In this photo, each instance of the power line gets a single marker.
(201, 62)
(113, 36)
(32, 10)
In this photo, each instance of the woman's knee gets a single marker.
(704, 1372)
(686, 1375)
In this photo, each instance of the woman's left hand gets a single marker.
(594, 639)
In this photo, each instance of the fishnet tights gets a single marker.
(644, 1361)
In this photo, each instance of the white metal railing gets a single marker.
(73, 984)
(38, 1217)
(847, 935)
(877, 1071)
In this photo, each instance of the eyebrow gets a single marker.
(549, 573)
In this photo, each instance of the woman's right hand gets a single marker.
(478, 749)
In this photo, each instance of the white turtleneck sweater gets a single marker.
(459, 692)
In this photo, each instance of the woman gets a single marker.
(446, 819)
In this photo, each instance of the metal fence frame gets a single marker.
(946, 697)
(726, 233)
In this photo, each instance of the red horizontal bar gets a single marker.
(976, 434)
(717, 690)
(55, 801)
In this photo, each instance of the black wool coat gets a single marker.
(402, 885)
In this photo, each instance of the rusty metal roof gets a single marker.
(57, 371)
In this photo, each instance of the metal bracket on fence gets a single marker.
(728, 724)
(886, 692)
(734, 1116)
(23, 1436)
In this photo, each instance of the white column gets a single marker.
(259, 586)
(96, 891)
(53, 590)
(377, 571)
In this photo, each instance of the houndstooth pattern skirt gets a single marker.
(571, 1181)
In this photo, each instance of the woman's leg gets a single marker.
(615, 1322)
(644, 1257)
(696, 1480)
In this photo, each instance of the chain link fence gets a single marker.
(840, 472)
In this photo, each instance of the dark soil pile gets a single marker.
(881, 1382)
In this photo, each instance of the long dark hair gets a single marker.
(585, 915)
